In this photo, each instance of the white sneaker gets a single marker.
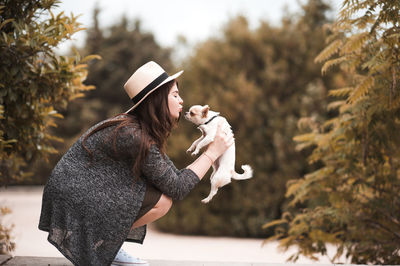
(124, 258)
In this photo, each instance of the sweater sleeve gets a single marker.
(170, 163)
(160, 171)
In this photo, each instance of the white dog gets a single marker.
(224, 166)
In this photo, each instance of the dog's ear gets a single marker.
(204, 111)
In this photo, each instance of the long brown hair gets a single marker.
(154, 120)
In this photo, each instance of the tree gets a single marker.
(262, 81)
(353, 200)
(124, 48)
(35, 83)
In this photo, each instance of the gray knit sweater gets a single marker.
(89, 205)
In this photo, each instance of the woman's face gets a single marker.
(174, 102)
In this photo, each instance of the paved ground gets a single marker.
(48, 261)
(45, 261)
(25, 203)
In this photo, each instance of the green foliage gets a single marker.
(34, 81)
(353, 198)
(262, 81)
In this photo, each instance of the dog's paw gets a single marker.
(189, 150)
(206, 200)
(195, 152)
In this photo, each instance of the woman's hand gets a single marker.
(222, 141)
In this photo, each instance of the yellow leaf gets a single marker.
(5, 22)
(273, 223)
(335, 105)
(361, 90)
(90, 57)
(49, 29)
(89, 87)
(78, 95)
(79, 29)
(330, 50)
(328, 64)
(354, 43)
(380, 67)
(271, 238)
(80, 66)
(58, 115)
(330, 122)
(324, 236)
(302, 146)
(60, 14)
(293, 187)
(344, 108)
(341, 92)
(304, 137)
(68, 28)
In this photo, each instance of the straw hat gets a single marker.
(145, 80)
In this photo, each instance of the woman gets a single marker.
(117, 178)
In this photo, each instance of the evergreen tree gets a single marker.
(123, 47)
(353, 198)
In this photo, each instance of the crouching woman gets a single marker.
(116, 177)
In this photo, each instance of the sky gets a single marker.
(195, 19)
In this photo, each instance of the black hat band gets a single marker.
(150, 87)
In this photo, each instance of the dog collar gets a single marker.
(211, 119)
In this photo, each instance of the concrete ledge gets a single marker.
(6, 260)
(48, 261)
(36, 261)
(208, 263)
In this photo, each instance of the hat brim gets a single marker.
(175, 76)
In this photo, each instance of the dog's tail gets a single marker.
(248, 173)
